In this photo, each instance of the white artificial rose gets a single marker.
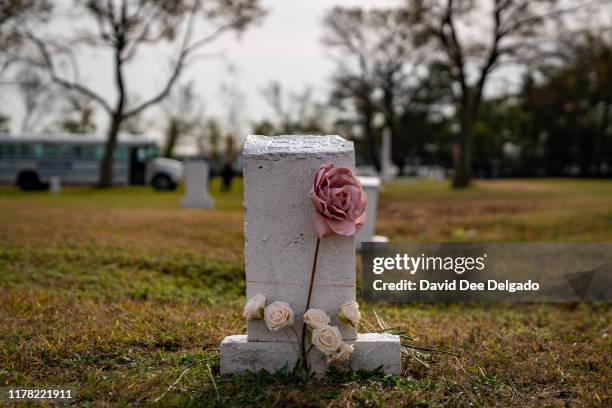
(343, 353)
(254, 308)
(278, 315)
(315, 318)
(326, 339)
(349, 314)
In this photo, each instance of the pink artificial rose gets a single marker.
(339, 200)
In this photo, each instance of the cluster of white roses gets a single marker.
(325, 338)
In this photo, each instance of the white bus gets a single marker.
(30, 161)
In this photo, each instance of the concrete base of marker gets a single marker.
(198, 202)
(371, 350)
(55, 184)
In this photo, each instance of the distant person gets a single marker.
(227, 174)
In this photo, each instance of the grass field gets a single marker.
(125, 296)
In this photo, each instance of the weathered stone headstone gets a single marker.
(55, 184)
(279, 248)
(279, 237)
(387, 169)
(195, 174)
(371, 186)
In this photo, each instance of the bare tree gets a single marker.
(475, 39)
(14, 14)
(208, 140)
(4, 123)
(273, 95)
(378, 58)
(36, 96)
(183, 113)
(358, 90)
(124, 26)
(295, 112)
(233, 100)
(78, 116)
(353, 80)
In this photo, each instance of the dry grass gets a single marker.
(121, 292)
(515, 210)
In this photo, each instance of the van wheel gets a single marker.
(28, 181)
(162, 182)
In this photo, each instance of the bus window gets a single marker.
(37, 150)
(88, 152)
(75, 152)
(24, 150)
(141, 155)
(120, 153)
(62, 151)
(48, 151)
(7, 151)
(152, 152)
(92, 152)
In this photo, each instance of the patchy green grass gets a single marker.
(126, 296)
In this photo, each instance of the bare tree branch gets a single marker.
(539, 17)
(73, 86)
(452, 45)
(179, 65)
(494, 49)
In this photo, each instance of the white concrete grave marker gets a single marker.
(371, 186)
(195, 174)
(387, 169)
(279, 248)
(55, 184)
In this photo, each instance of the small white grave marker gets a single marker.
(279, 248)
(387, 169)
(371, 186)
(195, 174)
(55, 184)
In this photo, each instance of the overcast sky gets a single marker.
(285, 47)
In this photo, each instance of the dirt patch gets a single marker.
(435, 210)
(521, 186)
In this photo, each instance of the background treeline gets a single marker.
(489, 88)
(547, 66)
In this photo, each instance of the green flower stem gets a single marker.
(312, 275)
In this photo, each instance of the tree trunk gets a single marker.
(463, 164)
(373, 148)
(370, 135)
(106, 166)
(117, 117)
(25, 123)
(172, 136)
(397, 156)
(400, 163)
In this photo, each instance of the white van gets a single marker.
(30, 161)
